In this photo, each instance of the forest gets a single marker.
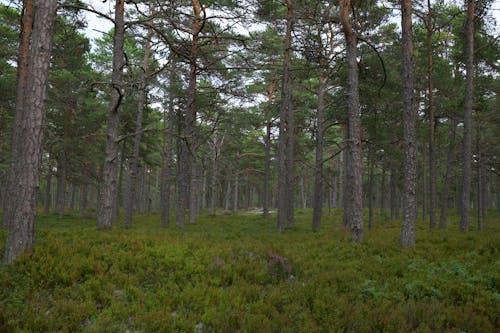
(250, 166)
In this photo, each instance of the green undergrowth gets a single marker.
(235, 273)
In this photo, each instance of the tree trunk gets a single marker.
(213, 181)
(354, 209)
(187, 153)
(235, 199)
(445, 196)
(424, 180)
(432, 121)
(409, 128)
(227, 200)
(469, 69)
(110, 168)
(267, 150)
(26, 173)
(371, 194)
(193, 190)
(318, 167)
(23, 59)
(130, 196)
(383, 190)
(166, 168)
(286, 134)
(480, 180)
(83, 198)
(48, 189)
(72, 197)
(61, 187)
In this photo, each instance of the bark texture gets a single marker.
(432, 121)
(286, 134)
(467, 158)
(318, 168)
(450, 159)
(110, 168)
(26, 174)
(409, 129)
(354, 209)
(267, 152)
(23, 58)
(187, 156)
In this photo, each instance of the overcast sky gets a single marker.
(96, 25)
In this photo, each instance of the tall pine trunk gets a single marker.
(409, 128)
(450, 159)
(354, 208)
(432, 121)
(26, 171)
(130, 194)
(110, 169)
(267, 152)
(318, 167)
(48, 188)
(286, 134)
(23, 59)
(61, 187)
(467, 158)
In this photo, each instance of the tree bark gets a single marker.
(236, 185)
(193, 190)
(61, 187)
(48, 189)
(267, 151)
(318, 166)
(409, 128)
(467, 159)
(110, 168)
(432, 121)
(383, 190)
(393, 192)
(187, 154)
(134, 163)
(23, 59)
(371, 194)
(83, 198)
(213, 180)
(445, 196)
(167, 152)
(286, 134)
(26, 173)
(354, 209)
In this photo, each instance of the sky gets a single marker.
(96, 25)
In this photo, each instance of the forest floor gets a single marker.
(235, 273)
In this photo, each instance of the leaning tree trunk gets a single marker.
(354, 210)
(409, 129)
(318, 168)
(17, 135)
(26, 172)
(110, 168)
(286, 134)
(469, 69)
(130, 196)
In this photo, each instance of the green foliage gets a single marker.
(234, 273)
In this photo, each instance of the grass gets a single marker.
(237, 274)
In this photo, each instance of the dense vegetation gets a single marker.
(234, 273)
